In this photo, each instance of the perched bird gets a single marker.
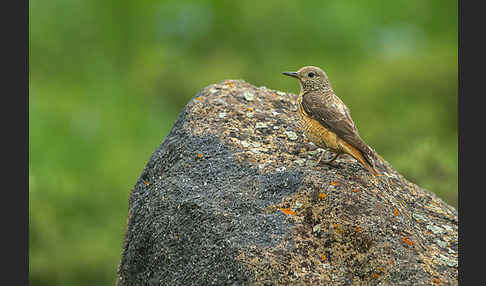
(326, 120)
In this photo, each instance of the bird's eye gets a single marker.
(311, 74)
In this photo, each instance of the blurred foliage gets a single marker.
(108, 78)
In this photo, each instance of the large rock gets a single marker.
(233, 197)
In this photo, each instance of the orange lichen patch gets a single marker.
(395, 212)
(230, 84)
(322, 196)
(288, 211)
(436, 281)
(355, 190)
(359, 229)
(250, 109)
(334, 183)
(336, 226)
(390, 262)
(375, 275)
(199, 98)
(275, 94)
(199, 155)
(147, 183)
(323, 257)
(407, 241)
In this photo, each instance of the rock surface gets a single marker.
(233, 197)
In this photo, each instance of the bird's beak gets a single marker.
(292, 74)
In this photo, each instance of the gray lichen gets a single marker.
(255, 209)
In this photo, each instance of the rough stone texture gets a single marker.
(233, 197)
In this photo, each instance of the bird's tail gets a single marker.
(370, 163)
(365, 158)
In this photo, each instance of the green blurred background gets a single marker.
(108, 78)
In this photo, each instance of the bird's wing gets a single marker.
(335, 116)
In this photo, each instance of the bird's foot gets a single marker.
(329, 162)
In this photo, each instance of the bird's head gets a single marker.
(311, 78)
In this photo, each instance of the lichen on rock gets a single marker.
(233, 197)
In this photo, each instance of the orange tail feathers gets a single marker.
(358, 155)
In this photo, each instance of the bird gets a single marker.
(326, 121)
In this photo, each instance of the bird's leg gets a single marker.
(332, 160)
(320, 157)
(328, 162)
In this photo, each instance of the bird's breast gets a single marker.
(316, 132)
